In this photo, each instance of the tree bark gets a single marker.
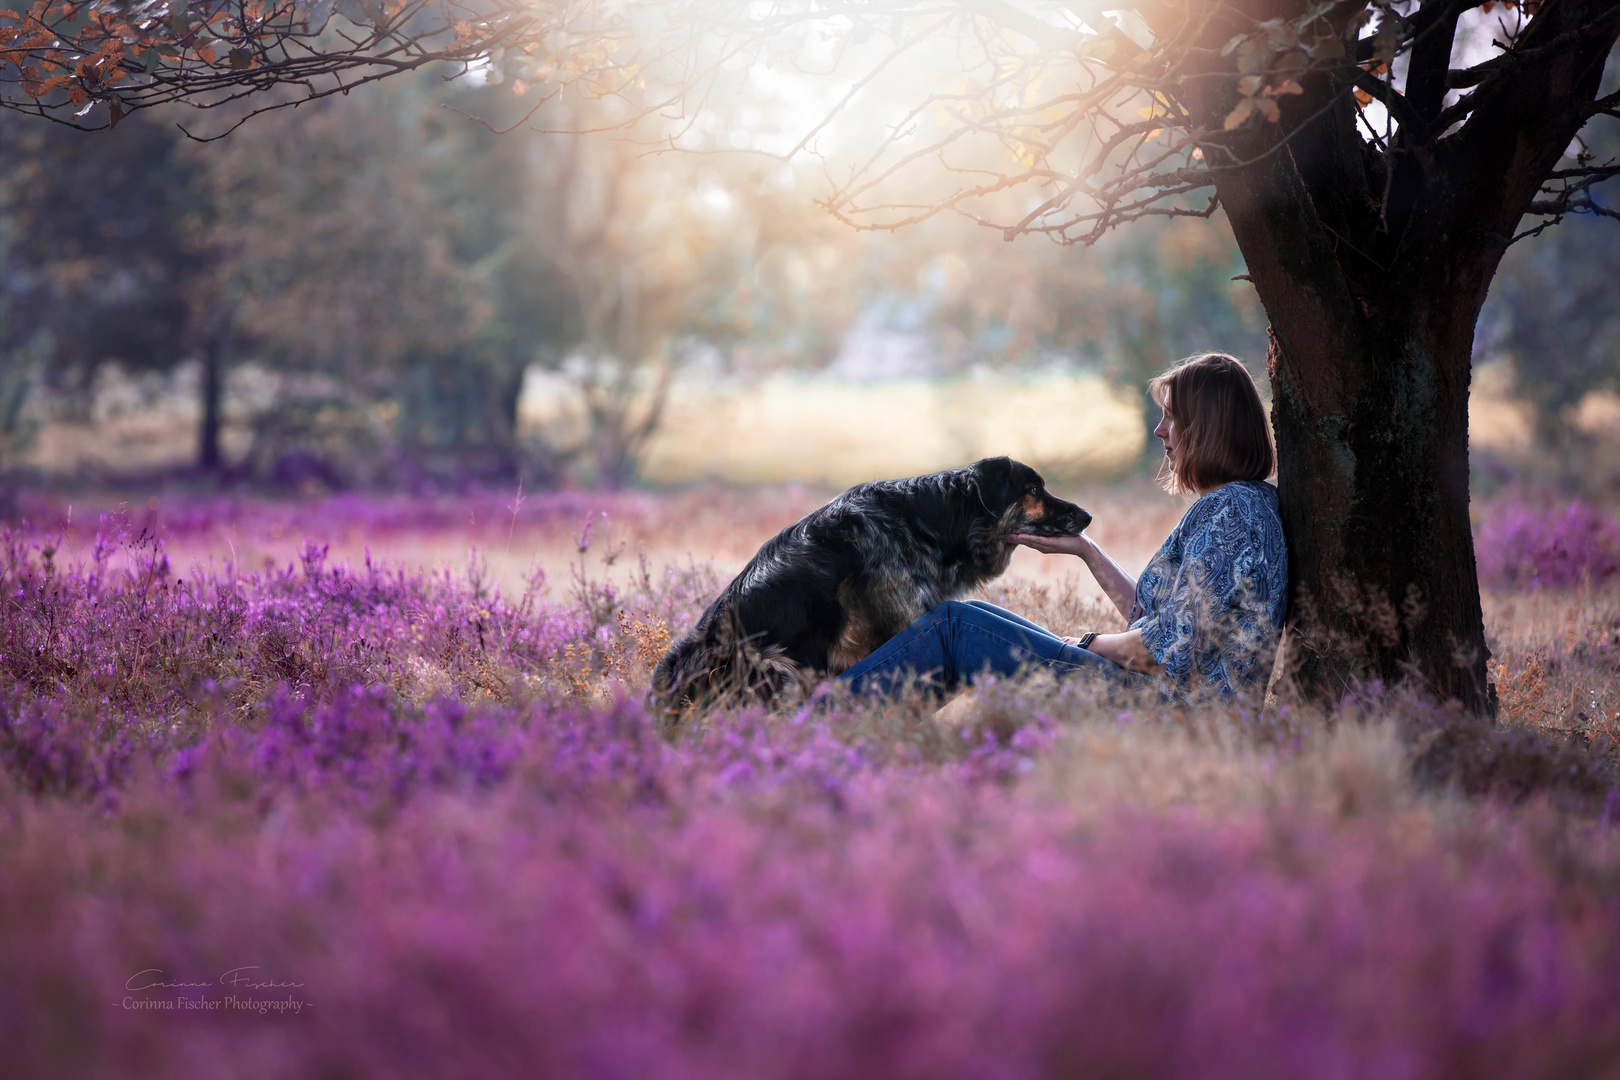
(1370, 408)
(1374, 495)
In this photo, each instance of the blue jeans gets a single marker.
(959, 639)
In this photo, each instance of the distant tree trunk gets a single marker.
(508, 396)
(214, 356)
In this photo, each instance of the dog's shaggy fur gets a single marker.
(826, 591)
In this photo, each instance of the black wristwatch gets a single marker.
(1086, 640)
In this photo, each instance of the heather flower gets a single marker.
(1529, 548)
(439, 829)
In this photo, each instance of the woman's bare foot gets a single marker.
(958, 711)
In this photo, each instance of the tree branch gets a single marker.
(1427, 68)
(1466, 77)
(1392, 100)
(1523, 122)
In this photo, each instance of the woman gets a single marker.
(1207, 611)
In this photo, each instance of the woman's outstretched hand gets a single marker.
(1055, 545)
(1119, 586)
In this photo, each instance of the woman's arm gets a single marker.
(1126, 650)
(1116, 583)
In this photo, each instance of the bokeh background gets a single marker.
(378, 294)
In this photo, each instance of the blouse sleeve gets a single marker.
(1168, 626)
(1219, 618)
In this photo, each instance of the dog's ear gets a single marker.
(1026, 478)
(994, 467)
(993, 482)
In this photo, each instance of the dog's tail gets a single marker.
(698, 667)
(717, 661)
(676, 681)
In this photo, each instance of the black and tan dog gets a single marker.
(826, 591)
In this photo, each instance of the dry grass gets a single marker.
(1335, 772)
(1555, 657)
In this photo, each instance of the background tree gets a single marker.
(20, 367)
(1553, 312)
(364, 241)
(400, 256)
(97, 265)
(666, 256)
(110, 259)
(1552, 315)
(1144, 298)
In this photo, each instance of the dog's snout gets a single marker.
(1071, 519)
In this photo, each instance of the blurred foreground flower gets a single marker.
(1528, 548)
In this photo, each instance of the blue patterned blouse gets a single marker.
(1211, 603)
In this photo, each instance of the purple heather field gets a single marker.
(321, 816)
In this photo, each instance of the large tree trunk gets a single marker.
(1373, 478)
(1370, 379)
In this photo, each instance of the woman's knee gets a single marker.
(947, 610)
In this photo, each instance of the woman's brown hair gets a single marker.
(1221, 429)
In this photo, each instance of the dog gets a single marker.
(825, 592)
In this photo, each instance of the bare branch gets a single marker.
(1116, 140)
(862, 83)
(1606, 105)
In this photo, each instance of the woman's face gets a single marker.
(1166, 431)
